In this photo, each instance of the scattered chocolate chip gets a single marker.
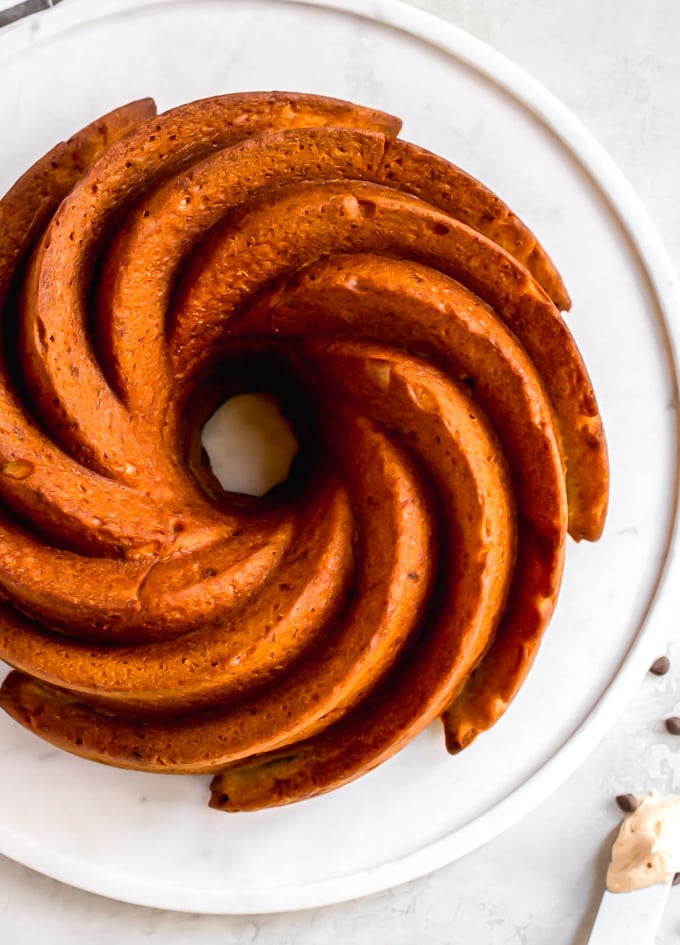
(676, 879)
(661, 666)
(627, 802)
(673, 725)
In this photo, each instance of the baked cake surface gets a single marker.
(410, 325)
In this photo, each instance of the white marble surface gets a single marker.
(618, 69)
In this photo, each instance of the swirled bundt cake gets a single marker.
(409, 324)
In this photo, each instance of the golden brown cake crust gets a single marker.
(409, 321)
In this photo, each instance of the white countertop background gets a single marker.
(617, 66)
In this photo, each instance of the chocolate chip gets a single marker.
(661, 666)
(673, 725)
(676, 879)
(627, 802)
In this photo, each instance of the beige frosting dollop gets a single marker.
(647, 849)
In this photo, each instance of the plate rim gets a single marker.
(665, 287)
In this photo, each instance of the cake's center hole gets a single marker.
(250, 444)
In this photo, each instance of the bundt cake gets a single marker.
(409, 324)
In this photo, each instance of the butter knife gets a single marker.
(17, 11)
(630, 918)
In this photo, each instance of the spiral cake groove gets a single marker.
(152, 266)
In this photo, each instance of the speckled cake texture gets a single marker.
(408, 322)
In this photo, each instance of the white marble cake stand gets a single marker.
(152, 840)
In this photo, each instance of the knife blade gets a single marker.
(630, 918)
(17, 11)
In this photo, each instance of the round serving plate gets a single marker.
(152, 840)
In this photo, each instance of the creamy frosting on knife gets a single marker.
(647, 849)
